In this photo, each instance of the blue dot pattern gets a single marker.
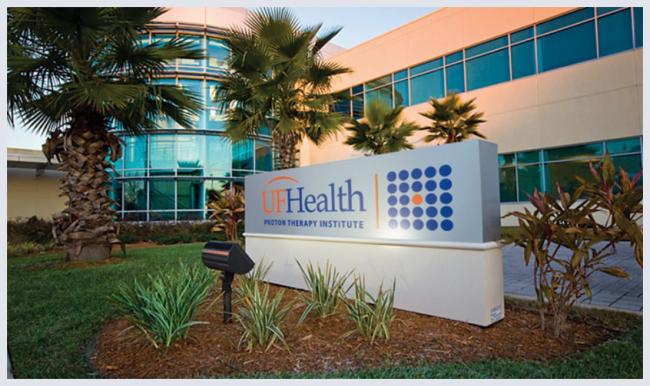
(421, 199)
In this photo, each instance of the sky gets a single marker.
(359, 24)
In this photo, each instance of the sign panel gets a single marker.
(447, 193)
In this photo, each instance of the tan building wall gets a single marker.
(31, 195)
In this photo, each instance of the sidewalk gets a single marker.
(608, 291)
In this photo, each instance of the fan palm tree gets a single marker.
(453, 120)
(381, 131)
(279, 81)
(78, 75)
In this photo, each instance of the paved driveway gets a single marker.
(608, 291)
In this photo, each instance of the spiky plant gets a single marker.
(381, 130)
(78, 74)
(372, 315)
(453, 120)
(228, 209)
(325, 289)
(279, 81)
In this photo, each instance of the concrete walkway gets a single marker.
(608, 291)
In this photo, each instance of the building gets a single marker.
(559, 87)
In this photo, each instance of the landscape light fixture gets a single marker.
(230, 259)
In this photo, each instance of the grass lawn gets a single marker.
(55, 311)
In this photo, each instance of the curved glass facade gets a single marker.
(170, 174)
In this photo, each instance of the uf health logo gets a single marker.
(420, 199)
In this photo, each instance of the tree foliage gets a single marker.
(453, 120)
(381, 130)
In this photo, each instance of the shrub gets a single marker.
(371, 320)
(26, 248)
(33, 230)
(167, 233)
(164, 307)
(325, 289)
(228, 212)
(257, 275)
(261, 315)
(568, 221)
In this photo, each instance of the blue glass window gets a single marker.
(193, 86)
(357, 106)
(215, 120)
(382, 81)
(161, 194)
(577, 151)
(357, 89)
(217, 156)
(527, 157)
(384, 94)
(211, 93)
(425, 87)
(196, 42)
(402, 93)
(603, 10)
(506, 159)
(190, 154)
(263, 156)
(615, 33)
(424, 67)
(135, 195)
(399, 75)
(523, 59)
(342, 106)
(217, 54)
(487, 46)
(488, 69)
(638, 26)
(243, 155)
(566, 47)
(162, 155)
(523, 34)
(190, 194)
(508, 184)
(135, 152)
(454, 57)
(455, 78)
(627, 145)
(566, 20)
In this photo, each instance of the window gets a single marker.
(382, 81)
(135, 152)
(638, 26)
(190, 155)
(384, 94)
(488, 69)
(566, 20)
(357, 106)
(590, 150)
(161, 194)
(529, 178)
(566, 47)
(217, 54)
(508, 184)
(358, 89)
(213, 188)
(565, 173)
(487, 46)
(242, 155)
(195, 42)
(522, 35)
(162, 157)
(399, 75)
(402, 93)
(424, 87)
(217, 156)
(455, 78)
(263, 156)
(615, 33)
(135, 195)
(523, 60)
(453, 58)
(627, 145)
(424, 67)
(189, 194)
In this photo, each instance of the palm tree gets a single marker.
(453, 120)
(279, 81)
(78, 75)
(381, 131)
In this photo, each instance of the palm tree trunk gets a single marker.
(287, 152)
(85, 227)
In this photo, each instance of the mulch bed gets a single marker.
(317, 345)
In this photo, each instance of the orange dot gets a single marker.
(417, 199)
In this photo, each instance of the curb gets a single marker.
(581, 305)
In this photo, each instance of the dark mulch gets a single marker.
(317, 345)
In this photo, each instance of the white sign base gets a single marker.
(459, 281)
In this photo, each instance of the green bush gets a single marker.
(27, 248)
(168, 233)
(371, 320)
(261, 315)
(33, 229)
(164, 307)
(325, 289)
